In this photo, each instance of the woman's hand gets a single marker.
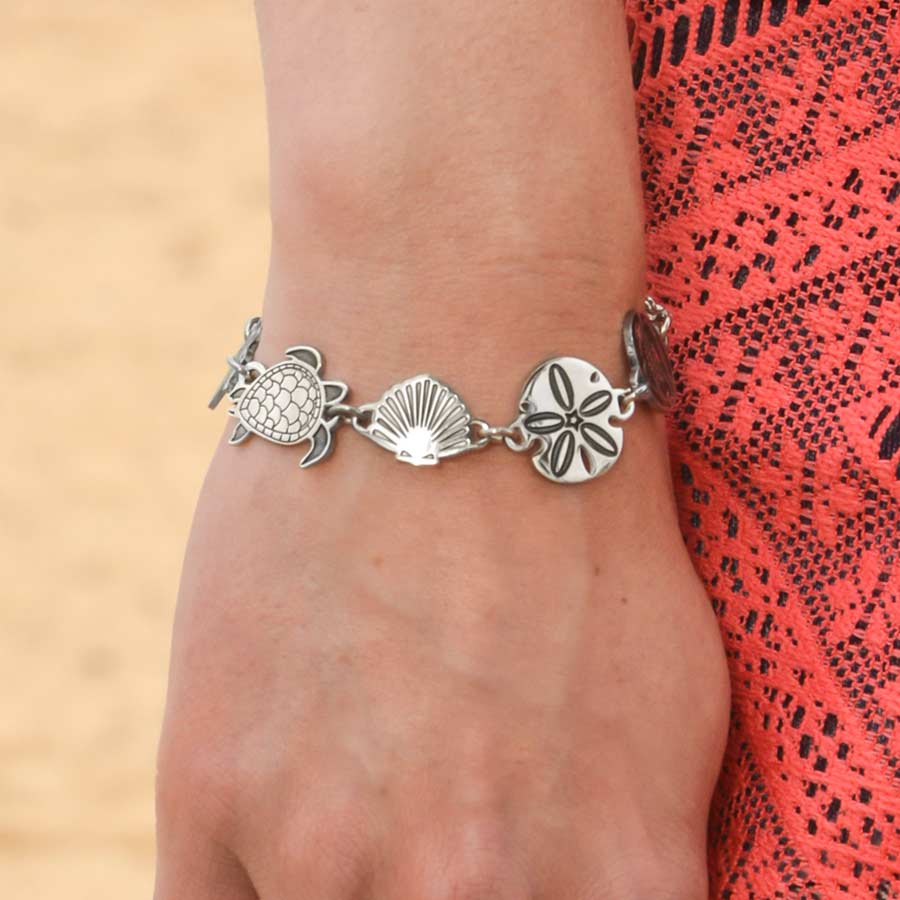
(464, 682)
(391, 683)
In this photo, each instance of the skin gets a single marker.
(462, 681)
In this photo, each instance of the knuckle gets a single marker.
(465, 884)
(651, 872)
(474, 863)
(325, 844)
(194, 785)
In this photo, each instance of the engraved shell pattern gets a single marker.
(420, 421)
(284, 404)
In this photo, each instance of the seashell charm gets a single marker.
(420, 420)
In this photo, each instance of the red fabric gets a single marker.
(770, 140)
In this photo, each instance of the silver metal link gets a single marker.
(479, 434)
(347, 411)
(512, 436)
(628, 401)
(518, 440)
(488, 433)
(658, 315)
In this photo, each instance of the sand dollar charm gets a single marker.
(288, 403)
(568, 406)
(648, 357)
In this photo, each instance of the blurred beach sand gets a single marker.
(134, 242)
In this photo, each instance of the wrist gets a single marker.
(644, 474)
(460, 214)
(481, 328)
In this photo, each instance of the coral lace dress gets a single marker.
(770, 141)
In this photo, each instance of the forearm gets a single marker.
(455, 186)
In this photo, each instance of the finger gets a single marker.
(318, 850)
(200, 869)
(456, 859)
(629, 862)
(194, 824)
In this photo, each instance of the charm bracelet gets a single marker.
(569, 414)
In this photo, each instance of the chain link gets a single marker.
(513, 435)
(348, 412)
(627, 403)
(658, 315)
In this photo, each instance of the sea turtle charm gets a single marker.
(288, 403)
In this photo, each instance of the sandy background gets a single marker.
(133, 241)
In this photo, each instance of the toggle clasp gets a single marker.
(237, 364)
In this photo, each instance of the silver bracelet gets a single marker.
(567, 417)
